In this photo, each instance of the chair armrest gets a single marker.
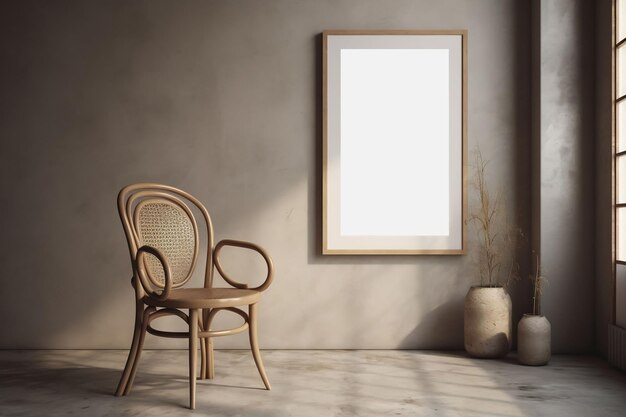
(141, 272)
(245, 245)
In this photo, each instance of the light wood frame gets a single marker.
(460, 246)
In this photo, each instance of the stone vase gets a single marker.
(534, 340)
(487, 322)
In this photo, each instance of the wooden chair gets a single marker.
(163, 240)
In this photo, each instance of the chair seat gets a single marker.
(206, 298)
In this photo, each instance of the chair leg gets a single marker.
(203, 358)
(210, 371)
(202, 347)
(254, 345)
(121, 387)
(209, 364)
(142, 338)
(193, 347)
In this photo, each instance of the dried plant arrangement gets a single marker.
(497, 237)
(538, 281)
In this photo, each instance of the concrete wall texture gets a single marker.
(223, 99)
(566, 169)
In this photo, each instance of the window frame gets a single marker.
(616, 153)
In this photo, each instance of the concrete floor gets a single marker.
(310, 383)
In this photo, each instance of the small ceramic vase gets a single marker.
(534, 340)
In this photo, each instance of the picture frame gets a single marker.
(394, 142)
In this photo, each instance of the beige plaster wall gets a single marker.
(223, 99)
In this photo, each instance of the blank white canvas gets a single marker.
(394, 124)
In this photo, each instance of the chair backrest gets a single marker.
(158, 215)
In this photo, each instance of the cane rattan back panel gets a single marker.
(168, 228)
(159, 216)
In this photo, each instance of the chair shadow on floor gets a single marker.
(29, 377)
(25, 380)
(46, 383)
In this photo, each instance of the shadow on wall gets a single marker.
(442, 327)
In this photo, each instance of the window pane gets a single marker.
(621, 20)
(621, 234)
(621, 71)
(621, 179)
(621, 126)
